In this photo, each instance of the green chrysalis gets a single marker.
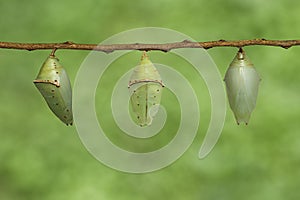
(242, 83)
(145, 87)
(54, 85)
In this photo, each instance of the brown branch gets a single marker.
(139, 46)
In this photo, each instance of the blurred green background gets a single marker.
(41, 158)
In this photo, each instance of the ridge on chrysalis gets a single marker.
(242, 83)
(145, 87)
(54, 85)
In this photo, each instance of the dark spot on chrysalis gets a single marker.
(67, 110)
(138, 117)
(53, 90)
(55, 80)
(57, 104)
(138, 104)
(153, 104)
(56, 72)
(154, 96)
(65, 116)
(157, 90)
(53, 96)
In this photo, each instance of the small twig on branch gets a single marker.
(159, 47)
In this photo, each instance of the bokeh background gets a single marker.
(41, 158)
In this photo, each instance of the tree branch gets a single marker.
(139, 46)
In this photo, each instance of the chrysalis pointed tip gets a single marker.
(144, 125)
(246, 123)
(145, 55)
(241, 54)
(52, 54)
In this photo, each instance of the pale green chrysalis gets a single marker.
(242, 83)
(145, 88)
(54, 85)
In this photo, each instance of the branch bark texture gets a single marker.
(147, 47)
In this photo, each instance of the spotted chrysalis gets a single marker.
(54, 85)
(145, 88)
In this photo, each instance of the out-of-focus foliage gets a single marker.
(41, 158)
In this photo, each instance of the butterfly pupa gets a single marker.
(145, 87)
(242, 81)
(54, 85)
